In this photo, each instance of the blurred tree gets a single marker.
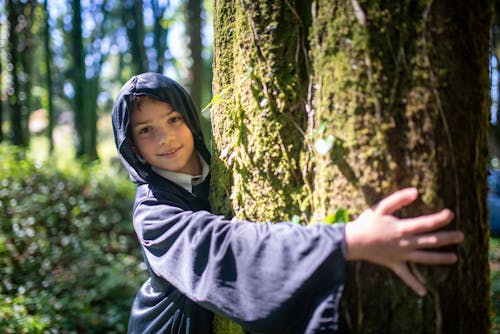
(196, 68)
(28, 26)
(494, 137)
(160, 33)
(20, 20)
(147, 38)
(382, 95)
(88, 58)
(1, 94)
(133, 20)
(79, 81)
(48, 74)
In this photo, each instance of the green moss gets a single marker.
(265, 111)
(258, 145)
(385, 87)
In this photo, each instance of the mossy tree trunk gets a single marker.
(259, 116)
(399, 90)
(258, 119)
(403, 87)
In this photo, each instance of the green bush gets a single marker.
(69, 259)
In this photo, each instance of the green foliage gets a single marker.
(69, 261)
(340, 216)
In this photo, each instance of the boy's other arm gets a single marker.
(379, 237)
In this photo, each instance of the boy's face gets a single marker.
(161, 136)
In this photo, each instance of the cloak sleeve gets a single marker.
(266, 277)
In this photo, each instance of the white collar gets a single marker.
(186, 181)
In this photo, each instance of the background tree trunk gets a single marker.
(78, 76)
(160, 33)
(193, 27)
(86, 84)
(15, 108)
(48, 76)
(134, 22)
(398, 100)
(26, 50)
(2, 110)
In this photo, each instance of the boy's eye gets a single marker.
(145, 130)
(175, 119)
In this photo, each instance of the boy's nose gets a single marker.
(164, 136)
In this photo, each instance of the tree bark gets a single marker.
(160, 33)
(2, 110)
(134, 22)
(78, 76)
(395, 99)
(406, 102)
(48, 76)
(193, 27)
(260, 82)
(15, 92)
(85, 87)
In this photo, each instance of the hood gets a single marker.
(163, 89)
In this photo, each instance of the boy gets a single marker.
(269, 278)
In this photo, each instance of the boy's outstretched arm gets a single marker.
(379, 237)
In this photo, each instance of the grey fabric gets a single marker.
(269, 278)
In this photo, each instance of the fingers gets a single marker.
(430, 258)
(432, 240)
(426, 223)
(396, 201)
(405, 274)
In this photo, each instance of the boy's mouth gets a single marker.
(170, 153)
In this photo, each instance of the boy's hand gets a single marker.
(378, 237)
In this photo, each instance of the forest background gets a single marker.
(69, 261)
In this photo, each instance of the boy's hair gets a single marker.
(135, 103)
(137, 100)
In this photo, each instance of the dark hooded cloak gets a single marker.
(269, 278)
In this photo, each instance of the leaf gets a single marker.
(214, 101)
(340, 216)
(247, 75)
(296, 219)
(320, 130)
(324, 145)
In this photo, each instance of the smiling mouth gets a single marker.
(170, 153)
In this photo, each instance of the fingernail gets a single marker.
(413, 192)
(422, 292)
(448, 212)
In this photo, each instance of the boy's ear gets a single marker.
(134, 148)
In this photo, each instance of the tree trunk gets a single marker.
(48, 78)
(260, 81)
(395, 100)
(15, 92)
(160, 33)
(407, 104)
(84, 99)
(2, 75)
(134, 22)
(494, 137)
(26, 61)
(78, 76)
(193, 27)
